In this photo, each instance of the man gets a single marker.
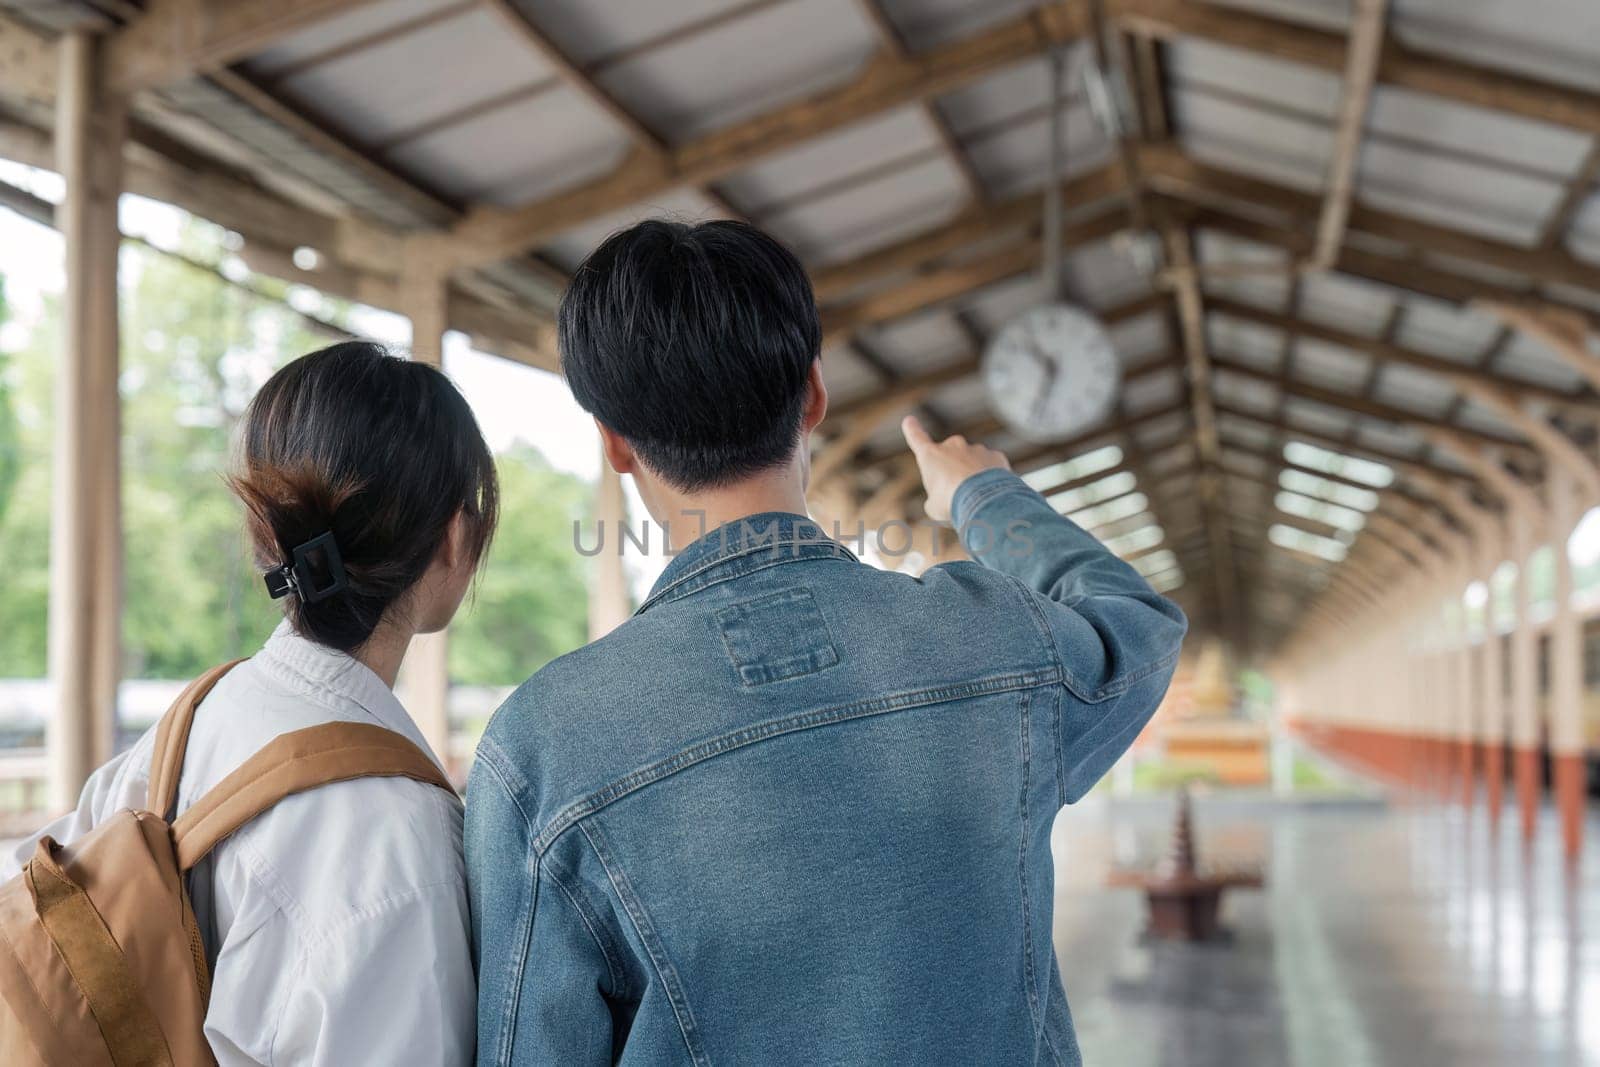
(797, 809)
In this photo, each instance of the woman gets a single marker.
(336, 923)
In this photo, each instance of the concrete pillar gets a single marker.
(1465, 735)
(1566, 664)
(85, 525)
(1524, 677)
(1493, 712)
(609, 603)
(424, 683)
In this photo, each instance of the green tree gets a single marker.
(10, 429)
(194, 351)
(530, 604)
(25, 519)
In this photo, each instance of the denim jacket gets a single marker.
(797, 810)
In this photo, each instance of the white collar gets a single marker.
(330, 675)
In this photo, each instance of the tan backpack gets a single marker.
(100, 956)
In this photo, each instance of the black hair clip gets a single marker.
(320, 555)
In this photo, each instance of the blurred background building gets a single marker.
(1346, 253)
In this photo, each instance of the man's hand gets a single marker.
(946, 464)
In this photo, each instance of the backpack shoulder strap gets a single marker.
(172, 741)
(293, 763)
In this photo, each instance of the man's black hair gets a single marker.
(693, 342)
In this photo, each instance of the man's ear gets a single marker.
(816, 406)
(618, 452)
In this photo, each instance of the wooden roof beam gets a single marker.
(1370, 409)
(1386, 351)
(1398, 65)
(1170, 171)
(489, 234)
(178, 39)
(977, 223)
(893, 43)
(1367, 32)
(944, 284)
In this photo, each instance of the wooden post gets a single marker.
(424, 683)
(86, 537)
(1524, 678)
(609, 604)
(1566, 666)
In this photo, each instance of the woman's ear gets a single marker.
(816, 406)
(618, 452)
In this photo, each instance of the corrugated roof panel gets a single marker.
(1194, 63)
(1316, 418)
(925, 23)
(1103, 274)
(1387, 437)
(1250, 341)
(1414, 390)
(921, 343)
(1203, 120)
(1328, 15)
(1159, 433)
(1553, 42)
(1351, 304)
(997, 305)
(1170, 459)
(1456, 193)
(1331, 366)
(378, 92)
(681, 205)
(348, 30)
(1236, 275)
(852, 153)
(1444, 330)
(871, 214)
(962, 402)
(521, 152)
(1483, 420)
(594, 30)
(1247, 431)
(1235, 390)
(1479, 131)
(1014, 91)
(1567, 294)
(772, 57)
(1151, 392)
(847, 375)
(1141, 337)
(1531, 361)
(1017, 160)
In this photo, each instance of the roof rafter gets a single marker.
(886, 82)
(1467, 83)
(177, 39)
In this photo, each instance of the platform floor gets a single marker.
(1387, 935)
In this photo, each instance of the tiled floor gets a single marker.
(1386, 935)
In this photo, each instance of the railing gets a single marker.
(25, 764)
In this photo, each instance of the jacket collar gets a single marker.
(752, 543)
(333, 678)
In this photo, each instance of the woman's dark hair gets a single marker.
(694, 344)
(380, 451)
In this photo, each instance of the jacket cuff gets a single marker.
(972, 495)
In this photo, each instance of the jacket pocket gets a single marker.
(778, 636)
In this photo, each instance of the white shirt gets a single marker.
(336, 922)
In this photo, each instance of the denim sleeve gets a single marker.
(541, 974)
(1115, 639)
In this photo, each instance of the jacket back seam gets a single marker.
(653, 946)
(573, 812)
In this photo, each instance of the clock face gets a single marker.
(1052, 373)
